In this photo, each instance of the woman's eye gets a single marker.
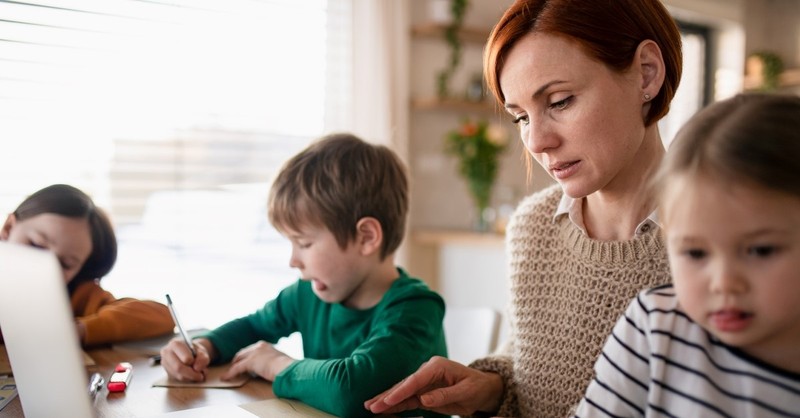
(561, 104)
(520, 120)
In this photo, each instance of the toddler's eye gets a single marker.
(762, 250)
(695, 254)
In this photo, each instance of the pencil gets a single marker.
(180, 328)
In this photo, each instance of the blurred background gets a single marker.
(175, 115)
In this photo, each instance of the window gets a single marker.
(124, 97)
(694, 91)
(174, 115)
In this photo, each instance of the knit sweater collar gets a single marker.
(642, 246)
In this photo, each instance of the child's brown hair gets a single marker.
(65, 200)
(337, 181)
(751, 139)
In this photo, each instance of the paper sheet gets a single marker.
(283, 408)
(212, 380)
(216, 411)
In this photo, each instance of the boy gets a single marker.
(365, 323)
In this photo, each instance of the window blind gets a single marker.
(124, 98)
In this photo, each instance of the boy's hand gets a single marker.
(177, 360)
(261, 359)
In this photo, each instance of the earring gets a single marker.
(646, 97)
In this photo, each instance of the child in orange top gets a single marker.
(65, 221)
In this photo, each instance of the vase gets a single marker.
(484, 219)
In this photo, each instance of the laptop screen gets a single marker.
(40, 336)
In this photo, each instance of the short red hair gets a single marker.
(608, 30)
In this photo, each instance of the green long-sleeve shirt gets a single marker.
(350, 355)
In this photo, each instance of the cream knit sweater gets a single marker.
(567, 291)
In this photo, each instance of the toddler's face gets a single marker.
(735, 256)
(68, 238)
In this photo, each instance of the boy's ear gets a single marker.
(6, 231)
(369, 235)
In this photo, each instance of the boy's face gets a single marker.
(336, 275)
(734, 251)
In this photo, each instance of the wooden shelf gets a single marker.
(435, 103)
(436, 30)
(456, 236)
(788, 78)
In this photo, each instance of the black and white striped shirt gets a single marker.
(659, 363)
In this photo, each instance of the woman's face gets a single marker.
(579, 119)
(68, 238)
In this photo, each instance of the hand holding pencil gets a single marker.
(183, 359)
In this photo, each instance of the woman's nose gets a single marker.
(539, 136)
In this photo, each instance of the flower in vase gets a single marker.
(478, 145)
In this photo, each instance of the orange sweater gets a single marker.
(110, 320)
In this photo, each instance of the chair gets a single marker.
(471, 333)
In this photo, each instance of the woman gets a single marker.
(65, 221)
(586, 82)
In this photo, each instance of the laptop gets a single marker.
(39, 333)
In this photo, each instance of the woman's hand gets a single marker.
(177, 360)
(442, 386)
(261, 359)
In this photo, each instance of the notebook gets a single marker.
(40, 336)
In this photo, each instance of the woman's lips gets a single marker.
(318, 285)
(730, 320)
(562, 171)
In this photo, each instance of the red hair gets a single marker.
(608, 30)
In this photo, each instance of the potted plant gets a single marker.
(765, 67)
(457, 10)
(478, 146)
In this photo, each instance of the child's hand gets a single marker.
(177, 360)
(261, 359)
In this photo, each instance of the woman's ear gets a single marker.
(369, 235)
(651, 66)
(6, 231)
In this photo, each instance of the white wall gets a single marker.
(474, 275)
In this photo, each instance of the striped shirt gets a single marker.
(659, 363)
